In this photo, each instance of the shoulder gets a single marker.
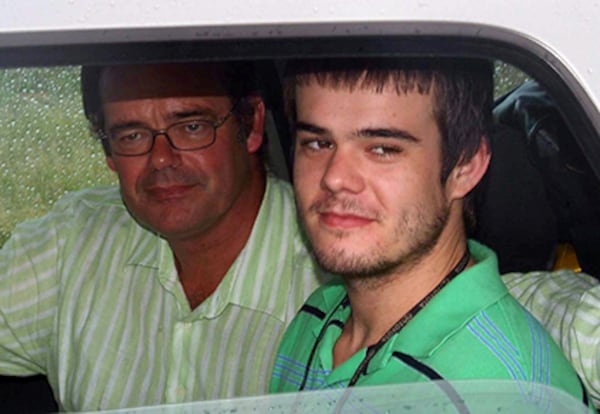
(520, 346)
(276, 219)
(539, 288)
(567, 303)
(326, 297)
(279, 191)
(72, 208)
(507, 320)
(316, 308)
(90, 199)
(301, 335)
(90, 206)
(75, 219)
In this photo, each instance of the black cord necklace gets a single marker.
(401, 323)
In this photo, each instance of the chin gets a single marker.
(357, 268)
(344, 262)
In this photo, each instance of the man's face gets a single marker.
(367, 177)
(176, 193)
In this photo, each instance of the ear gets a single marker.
(111, 163)
(255, 137)
(467, 174)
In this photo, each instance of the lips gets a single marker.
(165, 193)
(344, 221)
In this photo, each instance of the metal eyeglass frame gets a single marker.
(156, 132)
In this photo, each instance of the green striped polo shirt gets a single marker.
(92, 300)
(472, 329)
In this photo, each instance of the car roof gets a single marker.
(558, 27)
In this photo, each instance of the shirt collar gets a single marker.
(261, 260)
(455, 305)
(243, 280)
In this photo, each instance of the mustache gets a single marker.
(342, 205)
(170, 176)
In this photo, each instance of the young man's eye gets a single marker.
(315, 144)
(385, 150)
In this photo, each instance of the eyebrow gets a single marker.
(305, 126)
(395, 133)
(387, 133)
(172, 117)
(193, 113)
(125, 125)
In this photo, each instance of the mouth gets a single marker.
(166, 193)
(343, 221)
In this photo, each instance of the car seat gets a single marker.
(539, 194)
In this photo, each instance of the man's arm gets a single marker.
(28, 292)
(568, 305)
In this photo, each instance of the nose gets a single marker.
(342, 173)
(163, 155)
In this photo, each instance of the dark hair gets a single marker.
(462, 93)
(238, 78)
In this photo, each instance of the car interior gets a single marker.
(538, 206)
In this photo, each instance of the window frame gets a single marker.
(279, 42)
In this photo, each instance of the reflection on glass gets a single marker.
(46, 146)
(463, 397)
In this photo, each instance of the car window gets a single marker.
(46, 145)
(460, 396)
(507, 78)
(48, 148)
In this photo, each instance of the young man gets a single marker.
(386, 154)
(178, 285)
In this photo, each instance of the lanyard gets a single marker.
(401, 323)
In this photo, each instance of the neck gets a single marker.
(378, 304)
(203, 260)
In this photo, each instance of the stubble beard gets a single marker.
(376, 265)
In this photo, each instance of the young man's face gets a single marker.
(177, 193)
(367, 175)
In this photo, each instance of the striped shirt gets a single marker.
(92, 300)
(472, 329)
(568, 305)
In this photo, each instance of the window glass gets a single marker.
(46, 145)
(507, 78)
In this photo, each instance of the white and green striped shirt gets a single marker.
(568, 305)
(93, 301)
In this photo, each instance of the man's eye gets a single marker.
(195, 127)
(385, 150)
(130, 136)
(315, 144)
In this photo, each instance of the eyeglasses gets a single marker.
(188, 135)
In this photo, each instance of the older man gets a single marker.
(176, 286)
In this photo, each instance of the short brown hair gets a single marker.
(237, 77)
(462, 92)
